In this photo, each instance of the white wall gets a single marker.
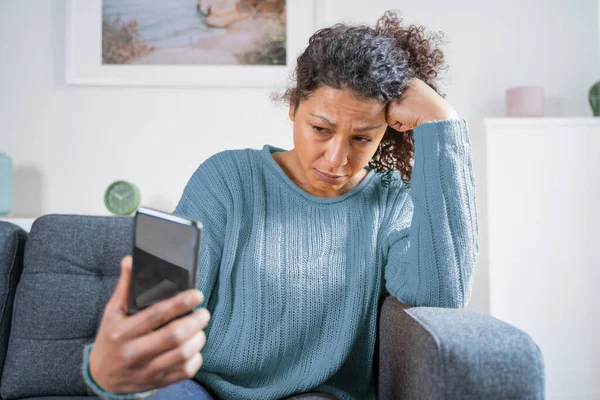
(69, 143)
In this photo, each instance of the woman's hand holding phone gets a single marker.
(130, 356)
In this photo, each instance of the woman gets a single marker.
(300, 246)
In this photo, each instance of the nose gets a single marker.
(337, 154)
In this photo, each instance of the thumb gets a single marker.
(120, 297)
(400, 127)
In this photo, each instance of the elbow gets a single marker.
(464, 296)
(455, 299)
(449, 298)
(458, 295)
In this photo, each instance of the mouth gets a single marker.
(329, 178)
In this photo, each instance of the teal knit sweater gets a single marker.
(293, 281)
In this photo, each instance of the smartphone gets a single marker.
(165, 257)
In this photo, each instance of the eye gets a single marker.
(363, 139)
(320, 129)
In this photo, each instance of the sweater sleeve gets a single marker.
(204, 199)
(97, 389)
(433, 236)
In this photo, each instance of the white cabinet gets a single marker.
(543, 199)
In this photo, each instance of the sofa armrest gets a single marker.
(12, 247)
(443, 353)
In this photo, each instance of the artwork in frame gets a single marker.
(186, 42)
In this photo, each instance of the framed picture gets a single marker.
(186, 42)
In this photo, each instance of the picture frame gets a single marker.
(84, 55)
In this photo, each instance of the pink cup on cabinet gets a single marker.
(525, 101)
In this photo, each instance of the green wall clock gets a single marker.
(122, 198)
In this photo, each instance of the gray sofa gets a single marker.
(55, 281)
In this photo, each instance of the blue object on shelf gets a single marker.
(6, 184)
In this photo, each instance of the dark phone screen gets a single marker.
(164, 260)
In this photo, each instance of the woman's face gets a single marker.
(335, 136)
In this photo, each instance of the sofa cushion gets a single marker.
(12, 245)
(71, 266)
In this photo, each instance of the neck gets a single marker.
(290, 164)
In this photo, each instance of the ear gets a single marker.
(292, 111)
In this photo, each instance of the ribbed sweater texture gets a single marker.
(293, 282)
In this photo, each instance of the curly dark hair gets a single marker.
(376, 63)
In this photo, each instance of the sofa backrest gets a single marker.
(70, 269)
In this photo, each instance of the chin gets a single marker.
(326, 186)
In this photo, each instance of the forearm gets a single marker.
(432, 262)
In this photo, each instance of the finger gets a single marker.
(175, 358)
(395, 116)
(169, 337)
(160, 313)
(118, 302)
(395, 125)
(391, 119)
(400, 127)
(186, 371)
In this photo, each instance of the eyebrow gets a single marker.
(331, 124)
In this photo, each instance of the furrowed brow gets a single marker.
(358, 130)
(368, 128)
(325, 120)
